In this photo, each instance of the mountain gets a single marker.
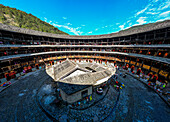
(12, 16)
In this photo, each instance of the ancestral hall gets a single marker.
(77, 80)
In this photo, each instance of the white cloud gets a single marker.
(71, 29)
(152, 9)
(90, 32)
(164, 14)
(141, 20)
(149, 8)
(83, 25)
(128, 21)
(130, 24)
(155, 10)
(141, 11)
(50, 22)
(163, 19)
(152, 13)
(78, 28)
(68, 23)
(45, 19)
(155, 1)
(64, 17)
(96, 29)
(122, 26)
(164, 5)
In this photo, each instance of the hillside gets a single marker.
(12, 16)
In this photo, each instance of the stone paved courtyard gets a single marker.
(95, 110)
(136, 103)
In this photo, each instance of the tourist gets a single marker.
(138, 71)
(132, 68)
(154, 79)
(7, 76)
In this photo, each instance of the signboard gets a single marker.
(127, 61)
(146, 66)
(132, 62)
(139, 64)
(54, 58)
(163, 73)
(154, 69)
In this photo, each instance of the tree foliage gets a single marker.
(12, 16)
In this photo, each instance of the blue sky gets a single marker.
(93, 17)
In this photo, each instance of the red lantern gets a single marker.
(166, 54)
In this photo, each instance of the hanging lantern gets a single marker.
(159, 53)
(140, 51)
(149, 53)
(166, 54)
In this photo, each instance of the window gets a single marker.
(84, 93)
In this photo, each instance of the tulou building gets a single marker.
(146, 47)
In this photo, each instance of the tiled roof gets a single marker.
(142, 29)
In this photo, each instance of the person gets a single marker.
(29, 68)
(154, 78)
(37, 66)
(117, 67)
(127, 66)
(132, 68)
(150, 74)
(7, 76)
(13, 74)
(26, 69)
(138, 71)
